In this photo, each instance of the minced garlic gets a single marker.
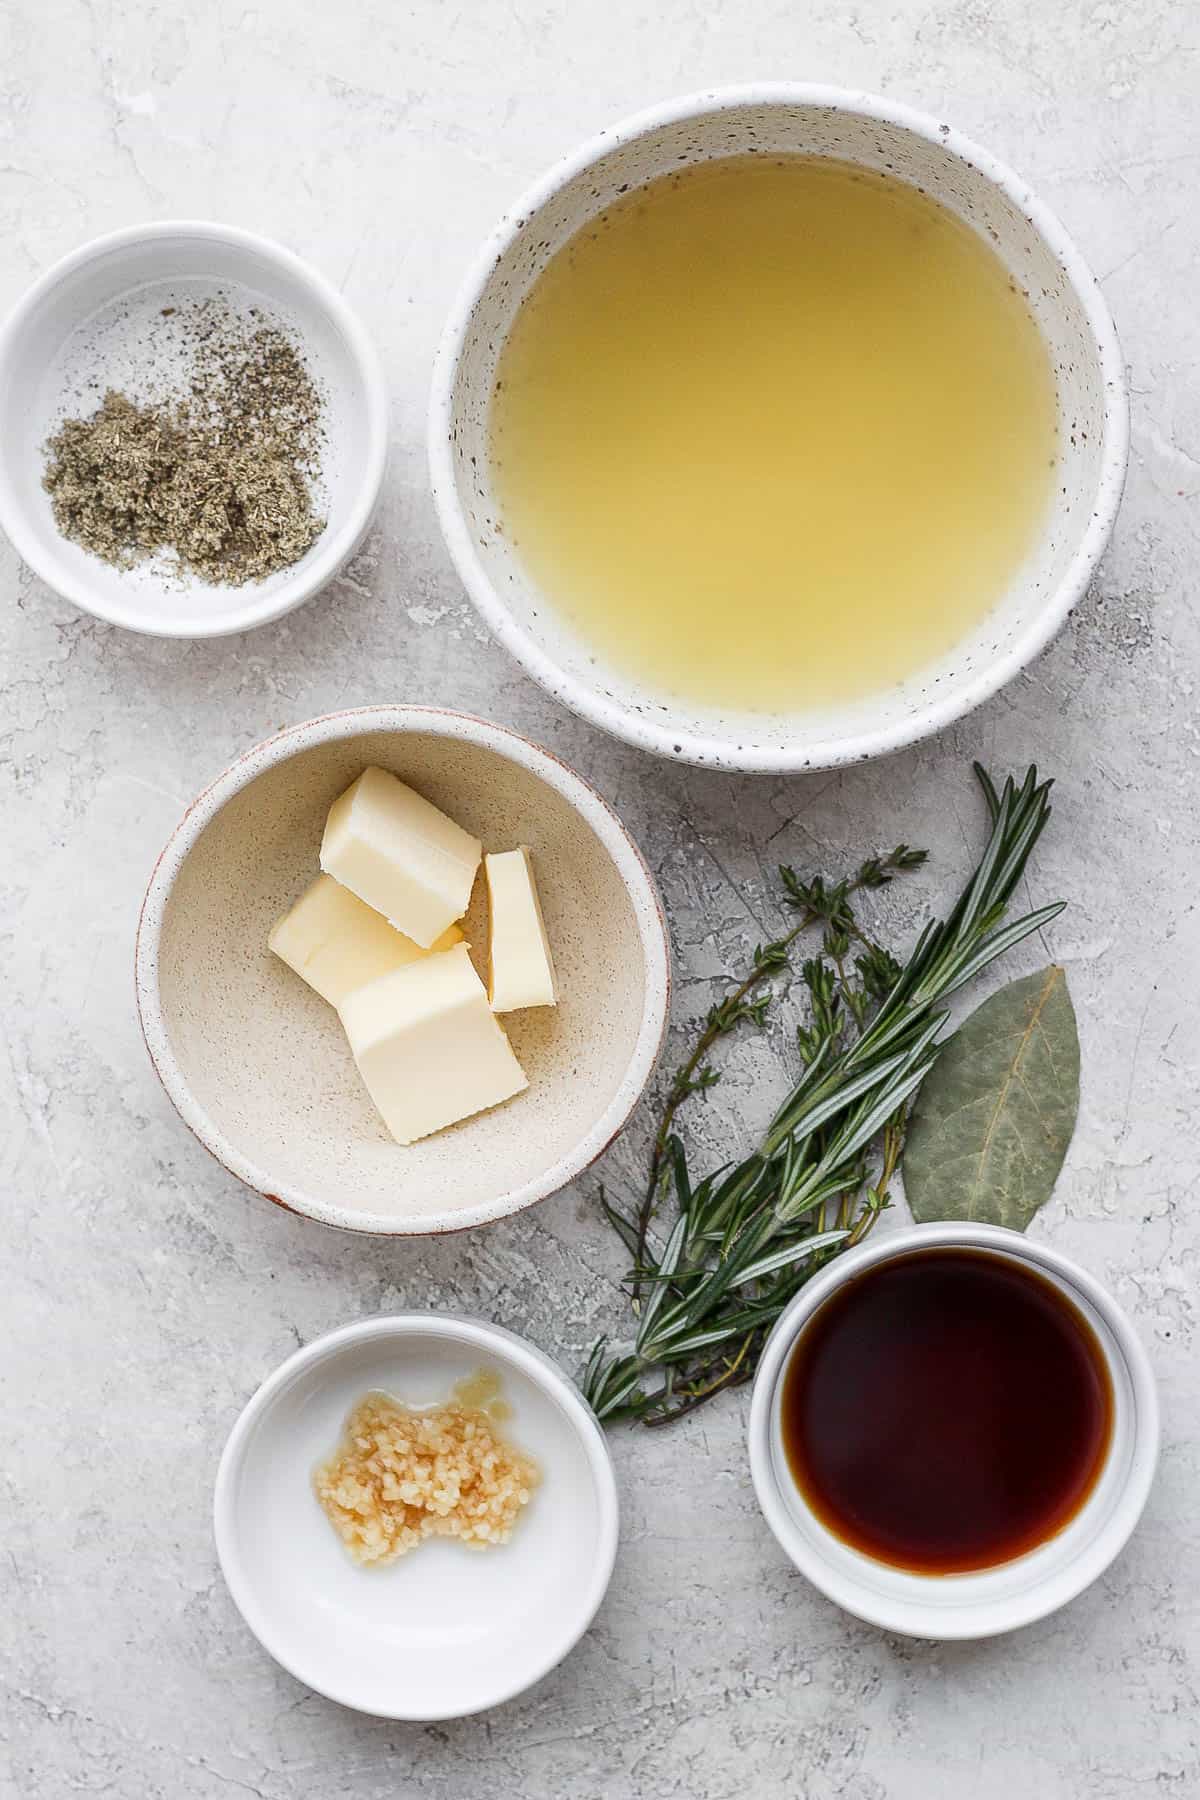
(403, 1474)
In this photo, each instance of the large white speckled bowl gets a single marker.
(257, 1063)
(785, 118)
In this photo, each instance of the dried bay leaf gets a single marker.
(995, 1114)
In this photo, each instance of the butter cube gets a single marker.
(428, 1046)
(521, 966)
(399, 854)
(336, 943)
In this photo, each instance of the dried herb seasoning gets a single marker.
(219, 477)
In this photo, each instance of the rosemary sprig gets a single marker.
(750, 1000)
(747, 1236)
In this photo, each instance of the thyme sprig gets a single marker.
(746, 1237)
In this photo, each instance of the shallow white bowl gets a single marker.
(1015, 1593)
(445, 1630)
(881, 135)
(51, 341)
(258, 1064)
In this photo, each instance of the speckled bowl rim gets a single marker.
(335, 548)
(481, 1335)
(674, 739)
(993, 1615)
(462, 728)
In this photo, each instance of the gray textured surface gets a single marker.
(146, 1294)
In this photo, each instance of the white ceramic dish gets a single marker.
(78, 329)
(258, 1065)
(879, 134)
(445, 1630)
(1015, 1593)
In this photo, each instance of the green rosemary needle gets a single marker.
(747, 1236)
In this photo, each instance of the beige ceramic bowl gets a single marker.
(256, 1062)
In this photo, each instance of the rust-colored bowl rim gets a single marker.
(462, 728)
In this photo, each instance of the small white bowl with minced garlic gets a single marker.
(417, 1515)
(402, 971)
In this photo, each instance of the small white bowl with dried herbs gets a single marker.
(447, 1621)
(193, 429)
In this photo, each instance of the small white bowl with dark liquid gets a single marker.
(953, 1431)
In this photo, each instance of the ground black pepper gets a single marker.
(220, 477)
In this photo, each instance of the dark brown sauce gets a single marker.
(946, 1411)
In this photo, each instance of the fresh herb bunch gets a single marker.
(745, 1238)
